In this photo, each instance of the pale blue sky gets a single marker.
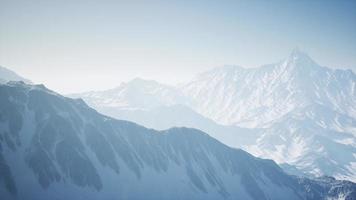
(75, 46)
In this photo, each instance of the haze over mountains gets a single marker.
(8, 75)
(294, 112)
(53, 147)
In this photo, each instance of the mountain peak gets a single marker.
(75, 135)
(296, 50)
(300, 60)
(298, 54)
(139, 80)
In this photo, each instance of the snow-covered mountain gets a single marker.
(165, 117)
(53, 147)
(294, 112)
(257, 97)
(137, 94)
(161, 107)
(308, 112)
(8, 75)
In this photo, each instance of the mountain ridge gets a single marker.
(295, 101)
(57, 147)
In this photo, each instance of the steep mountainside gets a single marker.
(258, 97)
(54, 147)
(294, 112)
(307, 112)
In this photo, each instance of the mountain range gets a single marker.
(295, 112)
(55, 147)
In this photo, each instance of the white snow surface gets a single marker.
(294, 112)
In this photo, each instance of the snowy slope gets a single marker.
(54, 147)
(137, 94)
(259, 96)
(307, 112)
(294, 112)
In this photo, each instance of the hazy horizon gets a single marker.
(240, 99)
(80, 46)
